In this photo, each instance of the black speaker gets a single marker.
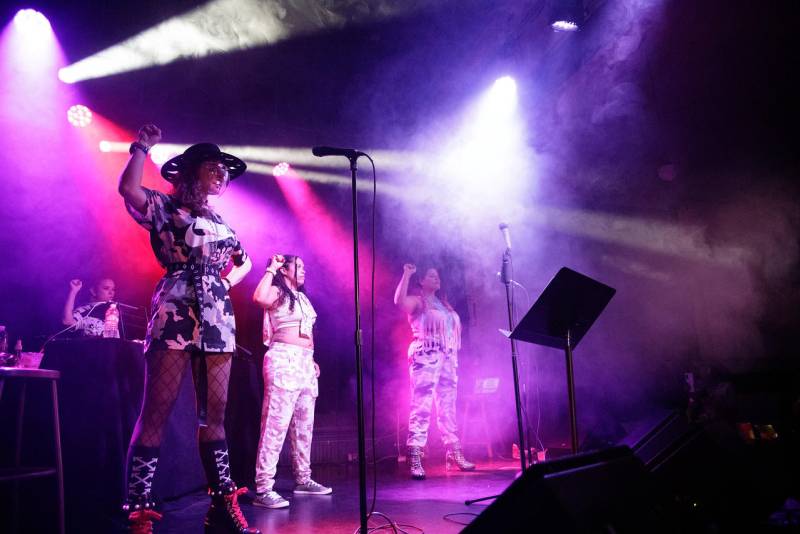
(719, 483)
(607, 491)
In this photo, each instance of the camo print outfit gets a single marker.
(290, 392)
(192, 319)
(90, 319)
(193, 249)
(433, 367)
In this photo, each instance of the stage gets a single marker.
(415, 506)
(483, 148)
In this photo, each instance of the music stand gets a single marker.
(560, 317)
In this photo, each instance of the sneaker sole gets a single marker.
(304, 492)
(273, 506)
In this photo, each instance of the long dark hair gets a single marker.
(279, 281)
(188, 191)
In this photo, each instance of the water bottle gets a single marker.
(3, 345)
(111, 322)
(3, 339)
(16, 356)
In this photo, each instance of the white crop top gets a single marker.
(302, 317)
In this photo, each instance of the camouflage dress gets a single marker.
(191, 309)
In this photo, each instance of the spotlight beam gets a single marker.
(680, 240)
(389, 160)
(217, 27)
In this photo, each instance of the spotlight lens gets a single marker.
(564, 26)
(505, 86)
(66, 75)
(79, 116)
(105, 146)
(280, 169)
(502, 97)
(30, 20)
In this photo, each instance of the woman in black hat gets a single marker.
(192, 319)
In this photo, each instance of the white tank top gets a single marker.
(302, 317)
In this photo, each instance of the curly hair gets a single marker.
(188, 190)
(279, 281)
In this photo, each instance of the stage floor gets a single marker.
(418, 506)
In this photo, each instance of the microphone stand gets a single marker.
(510, 302)
(506, 277)
(362, 454)
(353, 155)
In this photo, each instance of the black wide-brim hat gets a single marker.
(199, 153)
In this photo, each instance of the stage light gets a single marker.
(505, 86)
(255, 155)
(564, 26)
(502, 97)
(160, 154)
(566, 15)
(388, 160)
(79, 116)
(280, 169)
(484, 161)
(31, 21)
(216, 27)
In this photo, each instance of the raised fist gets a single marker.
(277, 261)
(149, 135)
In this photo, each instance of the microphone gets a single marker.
(322, 151)
(506, 235)
(505, 270)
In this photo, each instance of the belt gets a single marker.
(194, 269)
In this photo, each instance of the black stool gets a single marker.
(18, 472)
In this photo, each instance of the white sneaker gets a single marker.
(271, 499)
(312, 488)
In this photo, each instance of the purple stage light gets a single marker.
(280, 169)
(502, 97)
(505, 87)
(31, 21)
(79, 116)
(566, 15)
(564, 26)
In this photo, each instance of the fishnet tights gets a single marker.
(218, 371)
(164, 371)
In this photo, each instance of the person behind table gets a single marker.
(290, 379)
(89, 319)
(191, 320)
(433, 368)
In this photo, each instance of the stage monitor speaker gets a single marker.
(607, 491)
(718, 480)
